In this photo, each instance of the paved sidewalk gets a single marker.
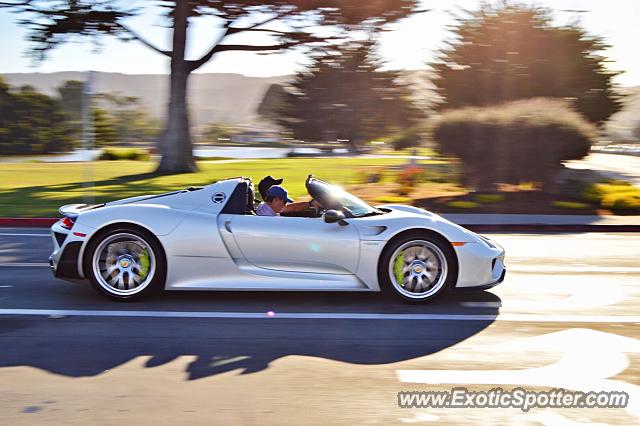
(524, 222)
(539, 219)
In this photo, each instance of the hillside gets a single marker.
(223, 98)
(234, 98)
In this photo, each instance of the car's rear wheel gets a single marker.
(125, 263)
(418, 267)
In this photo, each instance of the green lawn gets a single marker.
(38, 189)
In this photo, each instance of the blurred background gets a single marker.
(520, 116)
(456, 106)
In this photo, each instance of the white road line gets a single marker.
(578, 269)
(481, 304)
(326, 315)
(23, 235)
(21, 264)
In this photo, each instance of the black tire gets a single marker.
(153, 252)
(439, 247)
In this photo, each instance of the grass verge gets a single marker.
(38, 189)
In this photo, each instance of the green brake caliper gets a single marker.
(144, 264)
(397, 269)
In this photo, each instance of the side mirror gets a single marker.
(332, 216)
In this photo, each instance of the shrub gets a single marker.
(463, 204)
(522, 141)
(489, 198)
(613, 194)
(134, 154)
(404, 190)
(628, 203)
(570, 205)
(369, 176)
(407, 139)
(440, 173)
(392, 199)
(409, 176)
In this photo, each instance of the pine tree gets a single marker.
(509, 52)
(344, 95)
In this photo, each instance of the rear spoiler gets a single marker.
(73, 210)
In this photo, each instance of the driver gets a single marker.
(266, 183)
(277, 201)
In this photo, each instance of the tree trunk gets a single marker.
(175, 142)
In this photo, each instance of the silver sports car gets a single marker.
(209, 238)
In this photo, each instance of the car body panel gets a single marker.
(295, 244)
(208, 248)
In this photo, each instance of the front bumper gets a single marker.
(480, 265)
(485, 286)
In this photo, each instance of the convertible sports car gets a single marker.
(209, 238)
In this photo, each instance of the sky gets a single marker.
(410, 44)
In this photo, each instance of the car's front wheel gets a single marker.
(418, 267)
(125, 263)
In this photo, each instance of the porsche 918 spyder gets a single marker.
(210, 238)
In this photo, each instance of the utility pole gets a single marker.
(88, 136)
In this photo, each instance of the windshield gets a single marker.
(334, 197)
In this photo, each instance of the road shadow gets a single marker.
(88, 346)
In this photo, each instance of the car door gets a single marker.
(296, 244)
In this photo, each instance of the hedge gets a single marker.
(522, 141)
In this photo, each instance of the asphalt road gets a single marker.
(566, 316)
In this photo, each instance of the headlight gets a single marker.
(487, 241)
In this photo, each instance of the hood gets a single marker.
(408, 209)
(400, 217)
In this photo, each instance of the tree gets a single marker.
(279, 24)
(513, 51)
(104, 127)
(117, 118)
(32, 123)
(344, 95)
(71, 100)
(272, 103)
(132, 122)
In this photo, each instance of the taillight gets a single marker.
(67, 223)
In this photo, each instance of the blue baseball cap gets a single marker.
(278, 191)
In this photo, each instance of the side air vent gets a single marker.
(60, 237)
(372, 231)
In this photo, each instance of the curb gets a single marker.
(27, 222)
(46, 222)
